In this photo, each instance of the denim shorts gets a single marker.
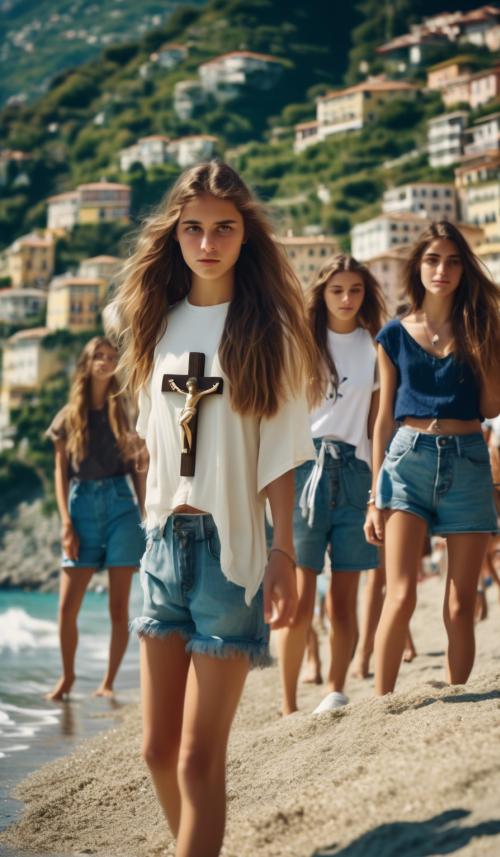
(444, 479)
(106, 520)
(339, 513)
(186, 592)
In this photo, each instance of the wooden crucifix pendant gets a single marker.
(193, 386)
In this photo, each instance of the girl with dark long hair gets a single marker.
(439, 376)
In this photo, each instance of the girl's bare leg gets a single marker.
(373, 599)
(291, 642)
(344, 625)
(410, 652)
(74, 582)
(213, 690)
(404, 538)
(120, 580)
(164, 668)
(313, 674)
(465, 555)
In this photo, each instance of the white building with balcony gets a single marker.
(148, 151)
(483, 136)
(224, 76)
(446, 137)
(21, 305)
(190, 150)
(62, 210)
(435, 200)
(382, 233)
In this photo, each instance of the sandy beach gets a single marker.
(414, 773)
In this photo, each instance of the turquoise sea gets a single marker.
(32, 730)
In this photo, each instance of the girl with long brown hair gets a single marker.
(439, 376)
(345, 313)
(94, 451)
(208, 277)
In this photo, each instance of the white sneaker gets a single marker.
(331, 702)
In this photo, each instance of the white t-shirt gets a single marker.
(236, 456)
(344, 415)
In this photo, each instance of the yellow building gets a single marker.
(349, 109)
(308, 253)
(30, 261)
(478, 190)
(74, 302)
(26, 365)
(103, 202)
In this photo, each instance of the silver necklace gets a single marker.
(433, 335)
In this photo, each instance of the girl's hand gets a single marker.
(70, 541)
(374, 526)
(280, 591)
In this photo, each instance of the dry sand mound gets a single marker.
(415, 773)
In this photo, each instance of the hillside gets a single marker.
(41, 38)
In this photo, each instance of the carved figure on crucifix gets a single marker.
(193, 396)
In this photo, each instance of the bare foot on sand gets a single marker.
(103, 690)
(409, 654)
(313, 676)
(360, 669)
(61, 690)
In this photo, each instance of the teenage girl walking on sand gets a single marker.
(345, 313)
(208, 277)
(439, 375)
(94, 451)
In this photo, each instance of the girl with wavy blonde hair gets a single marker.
(94, 452)
(209, 277)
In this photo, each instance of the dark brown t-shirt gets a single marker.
(103, 458)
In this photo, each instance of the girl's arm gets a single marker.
(489, 400)
(280, 587)
(372, 414)
(139, 479)
(69, 539)
(383, 429)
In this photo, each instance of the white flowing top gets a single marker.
(344, 415)
(236, 456)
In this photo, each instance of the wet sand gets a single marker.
(411, 774)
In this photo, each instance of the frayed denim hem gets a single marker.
(258, 653)
(143, 626)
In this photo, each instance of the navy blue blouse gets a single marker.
(428, 386)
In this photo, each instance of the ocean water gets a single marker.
(33, 730)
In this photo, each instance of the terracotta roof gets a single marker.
(408, 39)
(193, 137)
(312, 124)
(247, 54)
(68, 280)
(14, 155)
(370, 86)
(32, 241)
(32, 333)
(102, 260)
(103, 186)
(27, 293)
(489, 158)
(59, 197)
(476, 15)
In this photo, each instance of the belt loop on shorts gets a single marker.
(415, 439)
(458, 444)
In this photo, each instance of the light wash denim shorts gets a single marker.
(106, 520)
(339, 513)
(444, 479)
(185, 592)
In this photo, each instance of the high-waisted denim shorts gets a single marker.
(106, 519)
(339, 512)
(186, 592)
(444, 479)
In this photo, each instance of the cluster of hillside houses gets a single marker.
(73, 301)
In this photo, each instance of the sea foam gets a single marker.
(19, 631)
